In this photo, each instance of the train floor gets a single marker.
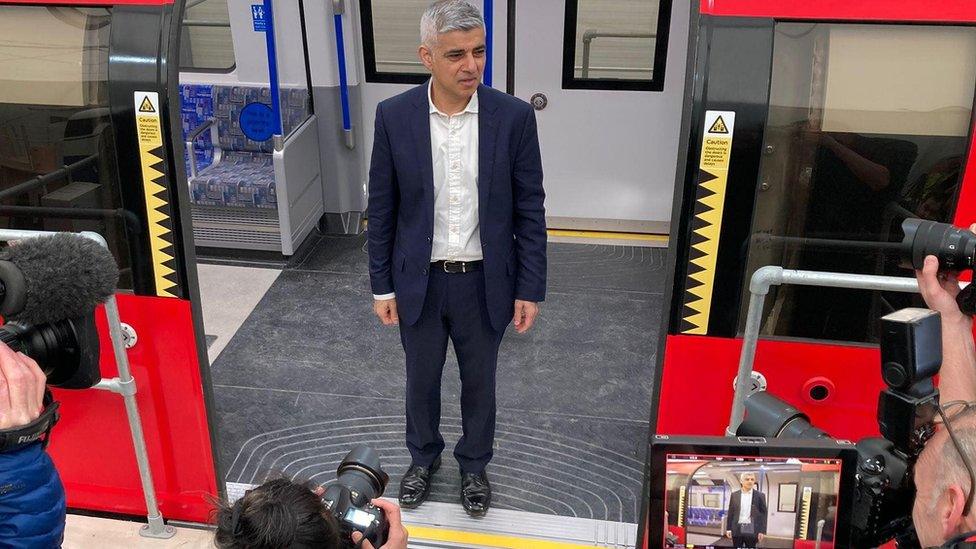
(303, 371)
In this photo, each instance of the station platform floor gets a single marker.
(303, 371)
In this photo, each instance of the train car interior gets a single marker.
(301, 369)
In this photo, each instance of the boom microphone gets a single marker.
(51, 278)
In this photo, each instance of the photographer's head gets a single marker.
(284, 514)
(279, 513)
(943, 482)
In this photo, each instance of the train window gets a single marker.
(867, 125)
(391, 35)
(206, 44)
(620, 46)
(58, 168)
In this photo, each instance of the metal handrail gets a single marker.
(577, 67)
(759, 286)
(41, 180)
(820, 529)
(590, 34)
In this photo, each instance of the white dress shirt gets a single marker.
(454, 152)
(745, 507)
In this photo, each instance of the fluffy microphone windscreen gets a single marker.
(64, 275)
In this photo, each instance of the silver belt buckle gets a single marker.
(446, 263)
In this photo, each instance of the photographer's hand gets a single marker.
(939, 290)
(21, 389)
(957, 377)
(398, 534)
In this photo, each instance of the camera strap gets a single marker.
(25, 435)
(964, 541)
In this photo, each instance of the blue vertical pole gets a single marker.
(272, 66)
(489, 32)
(343, 85)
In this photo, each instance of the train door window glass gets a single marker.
(58, 167)
(616, 45)
(206, 44)
(867, 125)
(391, 35)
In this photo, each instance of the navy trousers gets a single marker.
(454, 308)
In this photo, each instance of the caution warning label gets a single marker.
(147, 105)
(149, 131)
(706, 226)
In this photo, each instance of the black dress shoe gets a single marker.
(415, 485)
(475, 493)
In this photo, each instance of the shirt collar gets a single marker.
(472, 106)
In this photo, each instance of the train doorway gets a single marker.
(600, 75)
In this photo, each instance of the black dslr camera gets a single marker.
(359, 479)
(911, 355)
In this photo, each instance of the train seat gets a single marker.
(237, 183)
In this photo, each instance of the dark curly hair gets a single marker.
(279, 514)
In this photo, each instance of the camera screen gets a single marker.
(730, 501)
(358, 517)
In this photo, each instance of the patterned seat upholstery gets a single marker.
(244, 174)
(239, 179)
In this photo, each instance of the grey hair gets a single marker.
(742, 476)
(950, 463)
(447, 16)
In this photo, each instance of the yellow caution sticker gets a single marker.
(706, 224)
(150, 133)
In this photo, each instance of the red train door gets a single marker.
(85, 95)
(810, 130)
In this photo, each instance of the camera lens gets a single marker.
(361, 473)
(768, 416)
(954, 247)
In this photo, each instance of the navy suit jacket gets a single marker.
(757, 514)
(511, 215)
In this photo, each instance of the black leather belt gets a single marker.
(455, 267)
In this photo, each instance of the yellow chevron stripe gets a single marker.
(715, 155)
(150, 136)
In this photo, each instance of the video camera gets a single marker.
(49, 288)
(359, 479)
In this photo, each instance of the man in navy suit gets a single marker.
(746, 518)
(457, 240)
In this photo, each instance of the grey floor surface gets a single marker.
(312, 373)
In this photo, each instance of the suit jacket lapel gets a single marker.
(487, 130)
(420, 123)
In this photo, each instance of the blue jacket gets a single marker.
(511, 215)
(32, 505)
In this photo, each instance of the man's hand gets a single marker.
(386, 310)
(525, 313)
(939, 290)
(728, 534)
(958, 372)
(21, 389)
(761, 537)
(398, 534)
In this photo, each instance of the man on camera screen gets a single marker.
(747, 513)
(32, 503)
(944, 481)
